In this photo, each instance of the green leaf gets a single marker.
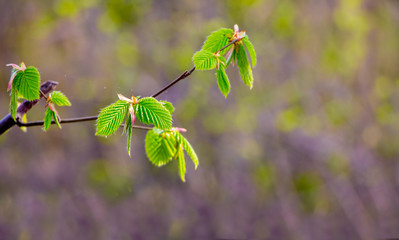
(217, 40)
(223, 82)
(59, 99)
(204, 60)
(47, 119)
(244, 67)
(48, 116)
(159, 147)
(182, 164)
(251, 50)
(151, 111)
(168, 106)
(13, 103)
(111, 117)
(129, 128)
(27, 83)
(55, 117)
(187, 146)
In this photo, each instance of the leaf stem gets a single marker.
(228, 45)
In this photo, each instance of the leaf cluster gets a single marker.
(226, 44)
(162, 146)
(25, 84)
(55, 98)
(147, 110)
(163, 143)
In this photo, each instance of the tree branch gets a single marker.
(70, 120)
(7, 122)
(181, 77)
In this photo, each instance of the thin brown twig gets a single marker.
(181, 77)
(70, 120)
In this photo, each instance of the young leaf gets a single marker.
(187, 146)
(244, 67)
(47, 119)
(111, 117)
(251, 50)
(129, 133)
(151, 111)
(159, 147)
(13, 103)
(56, 120)
(182, 163)
(204, 60)
(223, 81)
(168, 106)
(27, 83)
(59, 99)
(217, 40)
(15, 69)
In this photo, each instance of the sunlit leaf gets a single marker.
(204, 60)
(244, 67)
(59, 99)
(111, 117)
(182, 163)
(151, 111)
(187, 146)
(159, 147)
(251, 50)
(56, 119)
(129, 133)
(48, 116)
(27, 83)
(168, 106)
(223, 81)
(217, 40)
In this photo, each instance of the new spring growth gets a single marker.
(15, 70)
(132, 101)
(237, 33)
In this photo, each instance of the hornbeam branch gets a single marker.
(7, 122)
(71, 120)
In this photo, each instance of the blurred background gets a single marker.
(311, 152)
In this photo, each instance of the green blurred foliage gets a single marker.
(308, 187)
(109, 179)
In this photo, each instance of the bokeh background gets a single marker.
(311, 152)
